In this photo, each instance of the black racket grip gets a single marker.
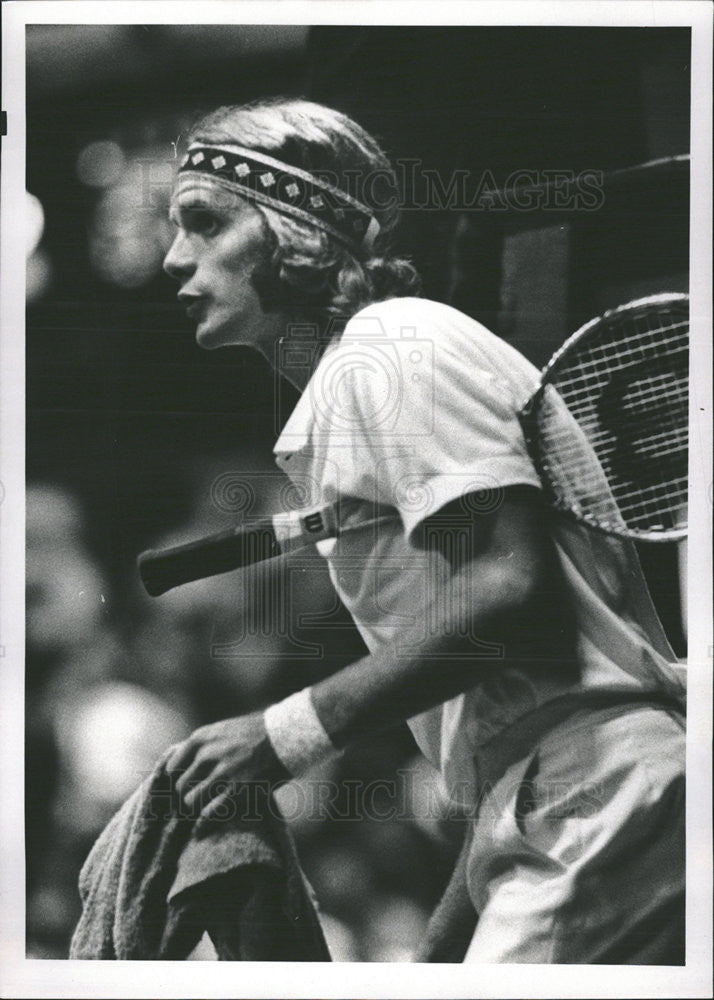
(164, 569)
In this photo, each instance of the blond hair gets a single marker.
(310, 273)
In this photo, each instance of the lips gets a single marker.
(193, 305)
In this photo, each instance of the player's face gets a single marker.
(220, 240)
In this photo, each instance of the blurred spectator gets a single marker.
(130, 231)
(38, 270)
(90, 735)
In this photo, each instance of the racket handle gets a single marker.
(163, 569)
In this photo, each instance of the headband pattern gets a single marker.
(287, 189)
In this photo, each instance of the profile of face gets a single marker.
(219, 243)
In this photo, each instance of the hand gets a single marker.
(216, 760)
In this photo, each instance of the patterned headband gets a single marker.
(287, 189)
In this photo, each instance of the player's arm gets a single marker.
(501, 593)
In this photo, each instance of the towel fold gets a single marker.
(156, 880)
(453, 922)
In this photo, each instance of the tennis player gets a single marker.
(522, 649)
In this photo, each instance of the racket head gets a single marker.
(608, 428)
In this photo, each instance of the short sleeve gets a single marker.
(415, 415)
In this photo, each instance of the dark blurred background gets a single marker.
(135, 437)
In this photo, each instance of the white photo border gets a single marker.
(21, 977)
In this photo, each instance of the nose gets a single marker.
(179, 262)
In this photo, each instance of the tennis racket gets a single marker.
(608, 428)
(607, 431)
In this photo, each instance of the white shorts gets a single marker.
(578, 850)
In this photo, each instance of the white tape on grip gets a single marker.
(295, 529)
(296, 733)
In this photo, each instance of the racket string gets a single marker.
(612, 426)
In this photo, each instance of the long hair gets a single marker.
(310, 274)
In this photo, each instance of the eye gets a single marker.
(203, 222)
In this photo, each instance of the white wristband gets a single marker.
(296, 733)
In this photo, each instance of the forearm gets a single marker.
(378, 690)
(420, 671)
(495, 610)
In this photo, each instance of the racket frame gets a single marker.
(527, 417)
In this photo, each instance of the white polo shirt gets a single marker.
(416, 406)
